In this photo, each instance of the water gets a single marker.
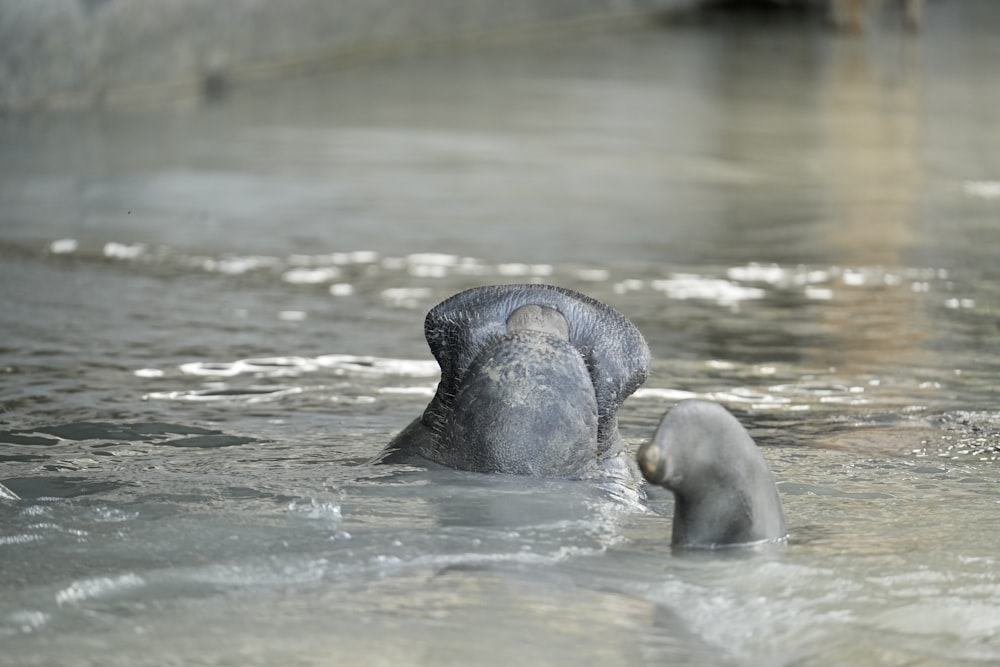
(213, 316)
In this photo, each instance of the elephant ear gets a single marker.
(615, 352)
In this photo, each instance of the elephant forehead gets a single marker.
(458, 328)
(526, 366)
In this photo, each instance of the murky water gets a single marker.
(212, 319)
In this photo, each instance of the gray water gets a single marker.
(212, 320)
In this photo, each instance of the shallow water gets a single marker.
(213, 320)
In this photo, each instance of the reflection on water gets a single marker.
(213, 320)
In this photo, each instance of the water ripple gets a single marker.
(23, 622)
(344, 274)
(98, 587)
(291, 366)
(253, 394)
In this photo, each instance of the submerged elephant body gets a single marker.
(532, 377)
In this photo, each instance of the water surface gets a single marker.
(213, 320)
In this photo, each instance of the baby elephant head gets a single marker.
(532, 377)
(723, 489)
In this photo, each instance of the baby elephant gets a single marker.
(723, 488)
(532, 377)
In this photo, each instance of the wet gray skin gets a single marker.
(723, 488)
(532, 377)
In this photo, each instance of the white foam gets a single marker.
(292, 366)
(406, 297)
(817, 276)
(342, 289)
(28, 620)
(744, 395)
(64, 246)
(337, 258)
(684, 286)
(960, 303)
(113, 515)
(364, 365)
(514, 269)
(86, 589)
(665, 394)
(432, 258)
(428, 271)
(844, 400)
(213, 369)
(254, 394)
(362, 257)
(261, 367)
(628, 285)
(316, 509)
(310, 276)
(333, 258)
(354, 400)
(854, 278)
(235, 266)
(891, 279)
(470, 266)
(738, 395)
(592, 275)
(772, 273)
(149, 373)
(18, 539)
(285, 573)
(414, 391)
(117, 250)
(819, 293)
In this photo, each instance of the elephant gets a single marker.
(532, 377)
(723, 489)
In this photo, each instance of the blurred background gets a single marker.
(418, 148)
(555, 130)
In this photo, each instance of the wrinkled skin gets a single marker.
(532, 377)
(724, 490)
